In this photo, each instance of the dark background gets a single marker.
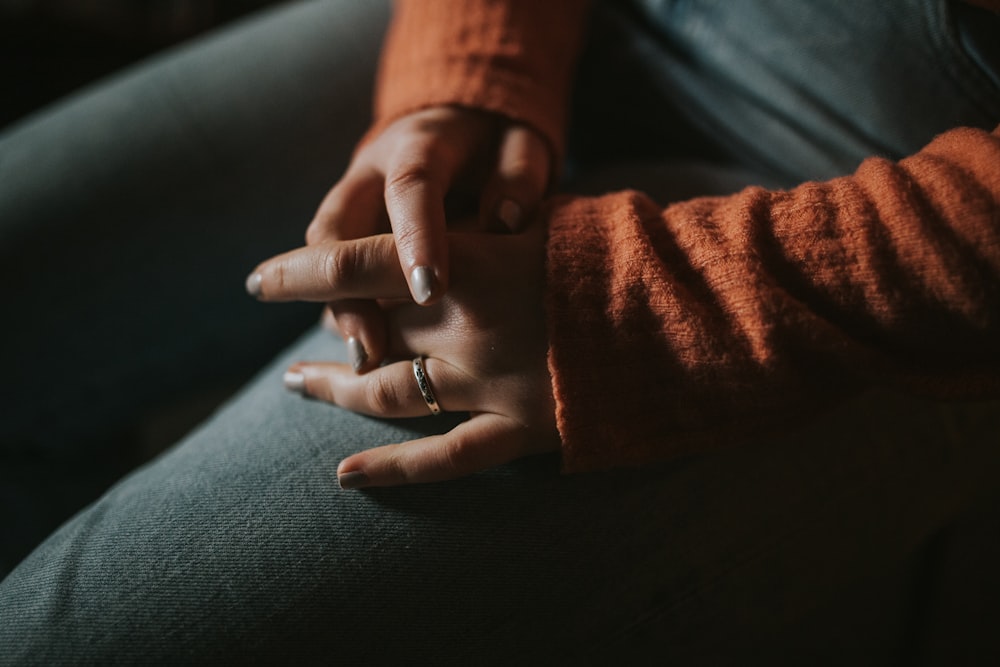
(51, 47)
(48, 49)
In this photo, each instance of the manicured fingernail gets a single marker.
(253, 284)
(422, 280)
(356, 353)
(352, 480)
(509, 212)
(295, 381)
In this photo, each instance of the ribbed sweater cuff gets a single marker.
(722, 319)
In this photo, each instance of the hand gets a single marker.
(401, 179)
(484, 345)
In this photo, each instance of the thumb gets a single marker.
(524, 163)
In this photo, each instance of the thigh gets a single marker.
(131, 213)
(238, 545)
(794, 90)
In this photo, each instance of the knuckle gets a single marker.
(339, 265)
(395, 468)
(381, 395)
(411, 236)
(410, 176)
(419, 161)
(458, 455)
(437, 152)
(371, 254)
(280, 276)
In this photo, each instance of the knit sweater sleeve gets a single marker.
(512, 57)
(722, 319)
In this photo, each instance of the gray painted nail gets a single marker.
(352, 480)
(509, 212)
(253, 284)
(356, 353)
(295, 382)
(422, 280)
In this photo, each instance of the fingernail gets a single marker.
(352, 480)
(356, 353)
(295, 381)
(422, 279)
(509, 212)
(253, 284)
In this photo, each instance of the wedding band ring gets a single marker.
(425, 386)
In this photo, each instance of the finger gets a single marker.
(482, 442)
(362, 324)
(353, 208)
(415, 188)
(390, 391)
(365, 268)
(520, 181)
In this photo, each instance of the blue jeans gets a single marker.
(131, 214)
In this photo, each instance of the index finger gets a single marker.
(415, 188)
(365, 268)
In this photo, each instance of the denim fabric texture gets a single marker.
(795, 91)
(130, 214)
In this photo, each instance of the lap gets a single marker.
(131, 213)
(238, 543)
(797, 91)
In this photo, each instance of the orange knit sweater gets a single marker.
(719, 319)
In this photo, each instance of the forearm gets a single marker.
(720, 319)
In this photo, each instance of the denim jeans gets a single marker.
(130, 214)
(793, 90)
